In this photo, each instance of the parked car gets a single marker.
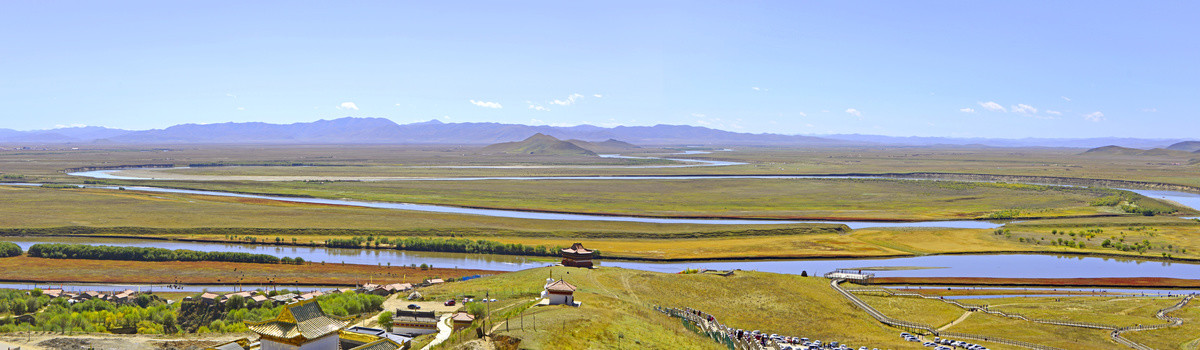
(449, 302)
(414, 307)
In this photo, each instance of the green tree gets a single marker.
(385, 320)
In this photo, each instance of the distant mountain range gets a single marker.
(384, 131)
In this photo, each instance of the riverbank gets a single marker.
(25, 269)
(1128, 282)
(880, 243)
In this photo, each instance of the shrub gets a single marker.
(8, 249)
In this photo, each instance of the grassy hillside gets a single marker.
(538, 144)
(619, 302)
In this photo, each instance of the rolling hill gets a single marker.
(607, 146)
(538, 144)
(1186, 146)
(1126, 151)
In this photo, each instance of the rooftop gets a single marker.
(561, 286)
(304, 319)
(577, 248)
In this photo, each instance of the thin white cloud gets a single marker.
(966, 110)
(1024, 109)
(230, 95)
(699, 115)
(597, 95)
(241, 108)
(758, 89)
(1054, 112)
(802, 114)
(536, 121)
(445, 117)
(537, 107)
(1068, 99)
(484, 104)
(63, 126)
(853, 112)
(569, 101)
(992, 106)
(1149, 110)
(1094, 116)
(348, 106)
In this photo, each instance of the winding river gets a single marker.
(1000, 265)
(1004, 265)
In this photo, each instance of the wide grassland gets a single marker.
(114, 212)
(1110, 310)
(432, 161)
(918, 310)
(1116, 311)
(849, 199)
(41, 270)
(1044, 334)
(1187, 337)
(619, 302)
(35, 207)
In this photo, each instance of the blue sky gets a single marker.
(904, 68)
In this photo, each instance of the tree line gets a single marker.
(8, 249)
(448, 245)
(103, 252)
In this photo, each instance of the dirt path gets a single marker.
(444, 331)
(959, 320)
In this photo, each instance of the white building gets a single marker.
(560, 293)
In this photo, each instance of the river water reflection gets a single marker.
(1004, 266)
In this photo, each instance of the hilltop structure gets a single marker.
(559, 293)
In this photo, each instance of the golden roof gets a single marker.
(303, 319)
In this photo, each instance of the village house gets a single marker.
(211, 298)
(414, 323)
(244, 295)
(257, 300)
(397, 287)
(577, 256)
(368, 288)
(284, 298)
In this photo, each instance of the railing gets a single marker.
(917, 326)
(1115, 334)
(984, 309)
(1162, 315)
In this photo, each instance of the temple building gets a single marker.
(304, 326)
(560, 293)
(577, 256)
(462, 320)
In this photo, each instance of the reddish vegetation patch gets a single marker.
(1044, 282)
(27, 269)
(937, 292)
